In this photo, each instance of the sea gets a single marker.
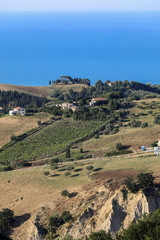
(36, 47)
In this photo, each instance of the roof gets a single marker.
(67, 104)
(98, 99)
(18, 108)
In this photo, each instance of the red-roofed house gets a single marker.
(95, 101)
(17, 111)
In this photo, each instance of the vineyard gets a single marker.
(49, 140)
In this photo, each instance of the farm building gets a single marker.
(97, 101)
(157, 150)
(66, 105)
(17, 111)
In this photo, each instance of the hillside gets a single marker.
(42, 91)
(16, 125)
(34, 197)
(49, 139)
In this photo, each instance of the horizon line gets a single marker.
(50, 11)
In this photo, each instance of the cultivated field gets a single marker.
(15, 125)
(49, 139)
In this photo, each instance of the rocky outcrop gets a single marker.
(115, 213)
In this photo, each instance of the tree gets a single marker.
(49, 82)
(131, 185)
(119, 146)
(66, 216)
(145, 180)
(68, 153)
(55, 221)
(6, 218)
(65, 193)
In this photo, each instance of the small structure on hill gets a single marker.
(157, 151)
(158, 142)
(72, 106)
(17, 111)
(97, 101)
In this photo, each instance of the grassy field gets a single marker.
(38, 189)
(16, 125)
(49, 140)
(41, 91)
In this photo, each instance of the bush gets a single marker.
(65, 193)
(66, 216)
(119, 146)
(54, 161)
(67, 174)
(131, 185)
(6, 218)
(46, 173)
(89, 167)
(96, 136)
(144, 125)
(101, 235)
(54, 167)
(116, 153)
(81, 150)
(145, 180)
(154, 144)
(68, 154)
(55, 221)
(70, 168)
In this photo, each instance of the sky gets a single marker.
(79, 5)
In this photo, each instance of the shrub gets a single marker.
(116, 153)
(55, 221)
(131, 185)
(46, 173)
(144, 125)
(6, 218)
(101, 235)
(70, 168)
(154, 144)
(96, 136)
(66, 216)
(119, 146)
(38, 122)
(88, 156)
(65, 193)
(54, 167)
(54, 161)
(67, 174)
(68, 154)
(81, 150)
(145, 180)
(90, 167)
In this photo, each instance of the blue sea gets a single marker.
(38, 47)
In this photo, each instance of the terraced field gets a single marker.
(49, 140)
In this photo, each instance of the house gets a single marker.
(157, 151)
(66, 105)
(17, 111)
(158, 142)
(97, 101)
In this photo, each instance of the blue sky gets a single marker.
(79, 5)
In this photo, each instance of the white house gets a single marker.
(17, 111)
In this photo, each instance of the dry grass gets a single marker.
(16, 125)
(37, 91)
(65, 88)
(29, 189)
(133, 137)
